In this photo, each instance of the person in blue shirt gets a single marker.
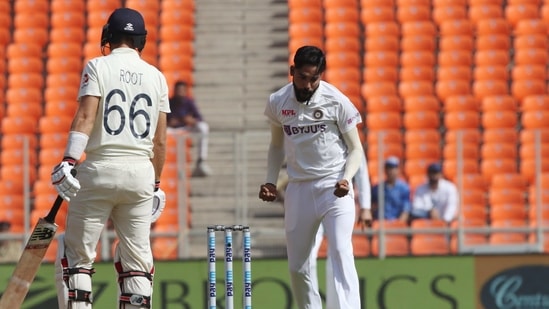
(185, 115)
(396, 193)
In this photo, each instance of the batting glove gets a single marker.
(159, 202)
(267, 192)
(64, 182)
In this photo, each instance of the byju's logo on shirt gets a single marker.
(312, 129)
(288, 112)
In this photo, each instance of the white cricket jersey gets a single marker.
(444, 199)
(313, 140)
(132, 93)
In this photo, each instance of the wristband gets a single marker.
(156, 185)
(76, 144)
(71, 161)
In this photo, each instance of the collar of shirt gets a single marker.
(124, 50)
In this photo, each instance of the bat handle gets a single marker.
(50, 217)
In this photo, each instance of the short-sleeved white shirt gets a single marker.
(313, 131)
(132, 94)
(444, 199)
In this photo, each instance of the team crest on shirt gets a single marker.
(317, 114)
(85, 80)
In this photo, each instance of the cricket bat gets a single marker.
(30, 260)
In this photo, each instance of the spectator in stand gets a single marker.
(185, 115)
(435, 199)
(10, 250)
(396, 194)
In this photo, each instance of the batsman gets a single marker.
(120, 125)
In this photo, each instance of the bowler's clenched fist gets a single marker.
(342, 188)
(267, 192)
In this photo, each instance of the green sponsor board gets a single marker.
(399, 283)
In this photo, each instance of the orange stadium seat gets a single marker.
(470, 237)
(176, 62)
(421, 120)
(490, 72)
(395, 244)
(429, 244)
(485, 11)
(31, 6)
(343, 59)
(379, 74)
(182, 16)
(474, 181)
(15, 50)
(470, 135)
(503, 135)
(529, 136)
(386, 136)
(294, 4)
(492, 58)
(31, 21)
(60, 94)
(378, 89)
(449, 12)
(96, 20)
(427, 150)
(486, 88)
(68, 19)
(499, 119)
(415, 88)
(414, 28)
(492, 42)
(18, 125)
(507, 237)
(377, 14)
(492, 151)
(530, 41)
(54, 124)
(16, 157)
(448, 88)
(454, 73)
(418, 136)
(473, 195)
(337, 74)
(535, 119)
(23, 109)
(25, 80)
(491, 167)
(417, 58)
(58, 65)
(64, 35)
(535, 103)
(31, 35)
(519, 72)
(183, 47)
(514, 13)
(382, 120)
(468, 151)
(382, 28)
(50, 156)
(342, 44)
(421, 103)
(58, 6)
(412, 12)
(67, 79)
(381, 59)
(25, 65)
(16, 141)
(508, 180)
(528, 151)
(186, 32)
(456, 27)
(341, 29)
(53, 140)
(521, 89)
(530, 56)
(474, 212)
(376, 3)
(528, 168)
(493, 26)
(417, 43)
(461, 103)
(461, 120)
(16, 173)
(450, 168)
(380, 43)
(416, 73)
(384, 104)
(499, 103)
(67, 49)
(373, 152)
(414, 167)
(456, 42)
(341, 14)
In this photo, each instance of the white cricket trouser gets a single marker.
(306, 205)
(122, 189)
(331, 302)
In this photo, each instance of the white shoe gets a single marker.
(202, 170)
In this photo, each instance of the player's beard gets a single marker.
(303, 95)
